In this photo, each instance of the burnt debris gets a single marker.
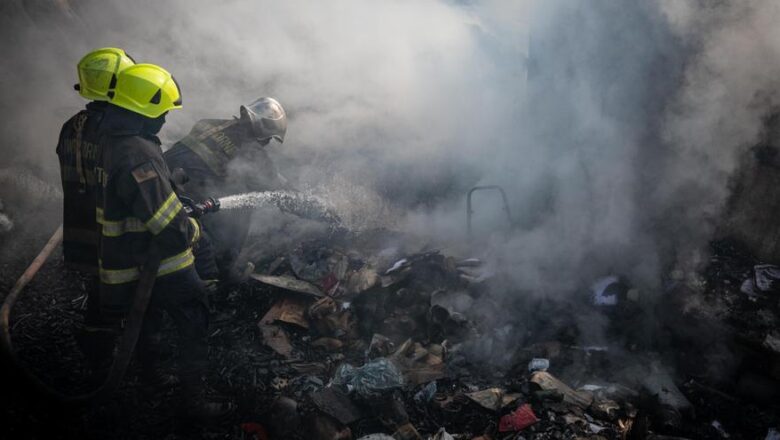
(331, 341)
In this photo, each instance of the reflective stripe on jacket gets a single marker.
(137, 210)
(214, 141)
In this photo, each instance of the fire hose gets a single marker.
(133, 323)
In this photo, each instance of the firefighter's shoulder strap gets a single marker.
(78, 128)
(208, 140)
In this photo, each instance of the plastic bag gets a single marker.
(371, 380)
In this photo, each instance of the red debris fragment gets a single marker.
(255, 430)
(329, 283)
(518, 419)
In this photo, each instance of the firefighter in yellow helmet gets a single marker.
(139, 214)
(78, 153)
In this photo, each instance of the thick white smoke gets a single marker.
(729, 91)
(613, 127)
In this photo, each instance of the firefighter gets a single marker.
(228, 156)
(78, 153)
(141, 217)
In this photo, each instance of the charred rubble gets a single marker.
(363, 337)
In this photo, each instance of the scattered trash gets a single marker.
(594, 428)
(718, 427)
(321, 266)
(398, 265)
(444, 323)
(659, 383)
(337, 404)
(766, 277)
(605, 291)
(380, 346)
(287, 310)
(426, 393)
(371, 380)
(605, 409)
(287, 282)
(538, 364)
(329, 318)
(546, 382)
(490, 398)
(256, 431)
(518, 419)
(493, 399)
(442, 434)
(420, 364)
(276, 339)
(328, 344)
(748, 287)
(361, 281)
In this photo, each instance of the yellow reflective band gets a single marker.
(118, 276)
(164, 214)
(167, 266)
(116, 228)
(196, 234)
(176, 263)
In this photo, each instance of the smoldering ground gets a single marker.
(613, 127)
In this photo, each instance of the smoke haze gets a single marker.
(613, 126)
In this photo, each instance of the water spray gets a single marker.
(290, 202)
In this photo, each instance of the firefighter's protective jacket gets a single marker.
(78, 153)
(221, 158)
(137, 208)
(218, 163)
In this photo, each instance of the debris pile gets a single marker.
(370, 342)
(352, 338)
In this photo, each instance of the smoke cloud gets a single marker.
(612, 127)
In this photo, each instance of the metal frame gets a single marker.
(470, 211)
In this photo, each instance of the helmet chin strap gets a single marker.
(153, 126)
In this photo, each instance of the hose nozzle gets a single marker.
(197, 210)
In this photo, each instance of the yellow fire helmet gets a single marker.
(98, 72)
(146, 89)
